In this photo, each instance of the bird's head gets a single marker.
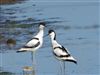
(42, 25)
(52, 34)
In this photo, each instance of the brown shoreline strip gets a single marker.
(9, 1)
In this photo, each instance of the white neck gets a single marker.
(40, 33)
(54, 42)
(52, 37)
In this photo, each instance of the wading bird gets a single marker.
(35, 43)
(60, 52)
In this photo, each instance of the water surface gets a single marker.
(77, 27)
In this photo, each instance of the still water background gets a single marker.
(77, 27)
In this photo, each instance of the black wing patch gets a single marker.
(64, 50)
(61, 56)
(33, 46)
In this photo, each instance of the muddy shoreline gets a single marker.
(9, 1)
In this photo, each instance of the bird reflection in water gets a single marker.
(28, 70)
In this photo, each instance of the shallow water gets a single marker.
(77, 27)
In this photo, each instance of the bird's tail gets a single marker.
(21, 50)
(71, 59)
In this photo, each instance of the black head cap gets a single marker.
(50, 31)
(42, 23)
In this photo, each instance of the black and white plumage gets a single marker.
(59, 51)
(36, 42)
